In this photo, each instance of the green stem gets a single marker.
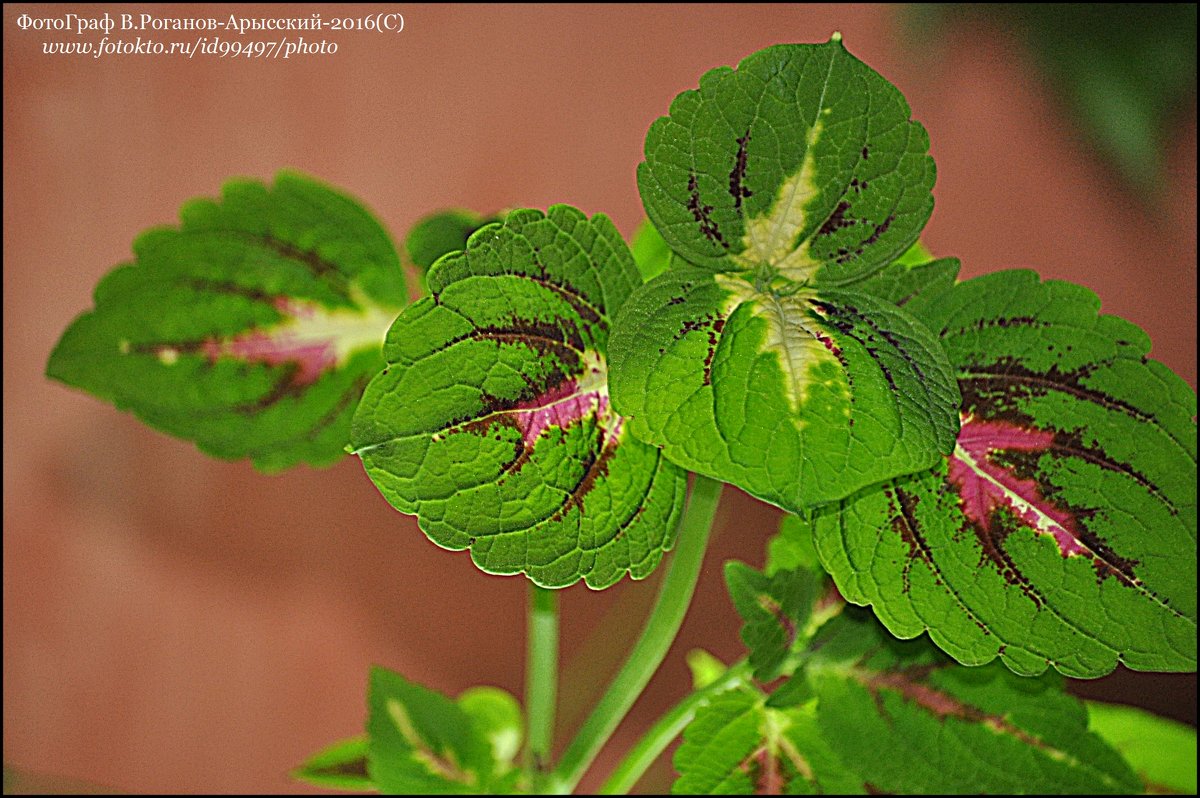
(668, 727)
(648, 652)
(541, 682)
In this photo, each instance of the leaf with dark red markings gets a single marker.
(796, 396)
(775, 611)
(756, 359)
(933, 727)
(251, 329)
(492, 423)
(803, 161)
(737, 744)
(1062, 529)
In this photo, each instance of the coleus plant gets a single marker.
(990, 461)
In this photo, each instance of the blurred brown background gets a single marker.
(172, 623)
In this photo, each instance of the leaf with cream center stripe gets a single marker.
(803, 162)
(783, 183)
(492, 420)
(797, 397)
(1062, 528)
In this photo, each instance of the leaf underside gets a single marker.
(783, 184)
(1062, 529)
(492, 421)
(251, 329)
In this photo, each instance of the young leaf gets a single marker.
(738, 745)
(1161, 751)
(650, 251)
(492, 421)
(251, 329)
(497, 715)
(792, 548)
(775, 611)
(803, 160)
(705, 668)
(1062, 529)
(340, 766)
(906, 719)
(440, 233)
(797, 397)
(423, 743)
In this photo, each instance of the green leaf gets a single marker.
(251, 329)
(802, 161)
(738, 746)
(497, 715)
(340, 766)
(775, 611)
(949, 729)
(421, 742)
(915, 255)
(1062, 530)
(650, 251)
(796, 397)
(720, 739)
(795, 174)
(705, 668)
(901, 282)
(1161, 751)
(792, 548)
(443, 232)
(492, 421)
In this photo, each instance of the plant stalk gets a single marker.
(674, 597)
(541, 683)
(666, 729)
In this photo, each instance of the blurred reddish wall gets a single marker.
(177, 624)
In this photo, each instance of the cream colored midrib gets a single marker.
(794, 337)
(769, 239)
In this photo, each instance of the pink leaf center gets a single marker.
(985, 486)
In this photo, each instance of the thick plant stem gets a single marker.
(541, 683)
(648, 652)
(668, 727)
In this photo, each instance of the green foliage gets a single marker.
(421, 742)
(492, 422)
(803, 159)
(1162, 752)
(1062, 529)
(443, 232)
(775, 611)
(340, 766)
(950, 729)
(736, 745)
(251, 329)
(650, 251)
(990, 461)
(1125, 70)
(795, 174)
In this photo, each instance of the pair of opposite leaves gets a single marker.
(781, 353)
(774, 354)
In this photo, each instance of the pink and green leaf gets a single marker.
(1062, 529)
(251, 329)
(492, 422)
